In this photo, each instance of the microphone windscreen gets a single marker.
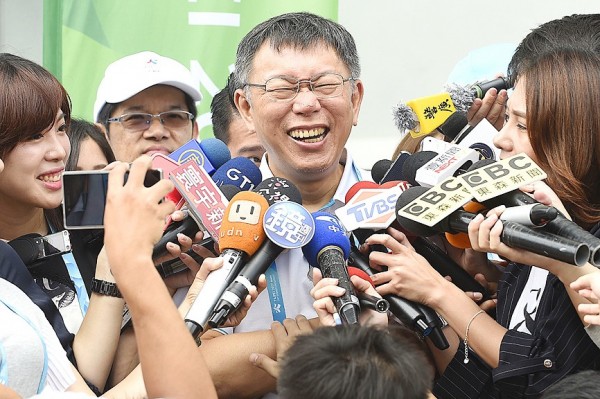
(405, 118)
(359, 186)
(240, 172)
(275, 189)
(453, 125)
(241, 227)
(414, 163)
(229, 190)
(410, 225)
(395, 170)
(216, 151)
(461, 96)
(379, 169)
(355, 271)
(328, 232)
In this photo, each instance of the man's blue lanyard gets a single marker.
(4, 360)
(273, 284)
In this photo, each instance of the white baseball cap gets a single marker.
(130, 75)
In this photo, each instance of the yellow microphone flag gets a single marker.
(431, 112)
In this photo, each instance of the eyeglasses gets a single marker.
(326, 85)
(140, 121)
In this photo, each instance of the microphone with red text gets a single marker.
(513, 234)
(365, 300)
(328, 251)
(209, 153)
(242, 174)
(240, 236)
(410, 313)
(559, 225)
(284, 199)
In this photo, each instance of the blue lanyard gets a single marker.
(75, 274)
(275, 293)
(3, 365)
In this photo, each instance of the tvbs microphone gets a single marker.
(287, 225)
(513, 234)
(241, 234)
(328, 251)
(560, 225)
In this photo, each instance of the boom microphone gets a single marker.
(241, 234)
(513, 234)
(328, 251)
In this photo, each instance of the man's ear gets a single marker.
(195, 129)
(357, 96)
(104, 130)
(244, 107)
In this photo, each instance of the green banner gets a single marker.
(82, 37)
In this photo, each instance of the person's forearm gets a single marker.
(171, 364)
(232, 372)
(96, 341)
(485, 334)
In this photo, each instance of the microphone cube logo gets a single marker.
(370, 208)
(289, 224)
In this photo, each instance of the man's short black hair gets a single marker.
(223, 110)
(353, 361)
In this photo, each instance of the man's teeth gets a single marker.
(308, 136)
(51, 178)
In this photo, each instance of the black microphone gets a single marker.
(275, 189)
(513, 234)
(560, 225)
(463, 96)
(408, 312)
(328, 251)
(379, 169)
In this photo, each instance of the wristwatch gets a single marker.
(103, 287)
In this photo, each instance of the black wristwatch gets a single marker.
(105, 288)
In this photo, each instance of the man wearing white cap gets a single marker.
(147, 103)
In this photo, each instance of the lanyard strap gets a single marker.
(275, 293)
(75, 274)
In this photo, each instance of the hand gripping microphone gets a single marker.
(241, 234)
(365, 300)
(513, 234)
(279, 237)
(560, 225)
(410, 313)
(328, 251)
(241, 174)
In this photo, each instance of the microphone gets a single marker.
(534, 215)
(408, 312)
(365, 300)
(455, 125)
(209, 154)
(379, 169)
(328, 251)
(280, 235)
(463, 96)
(413, 163)
(240, 172)
(445, 266)
(560, 225)
(241, 235)
(425, 114)
(513, 234)
(394, 172)
(452, 161)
